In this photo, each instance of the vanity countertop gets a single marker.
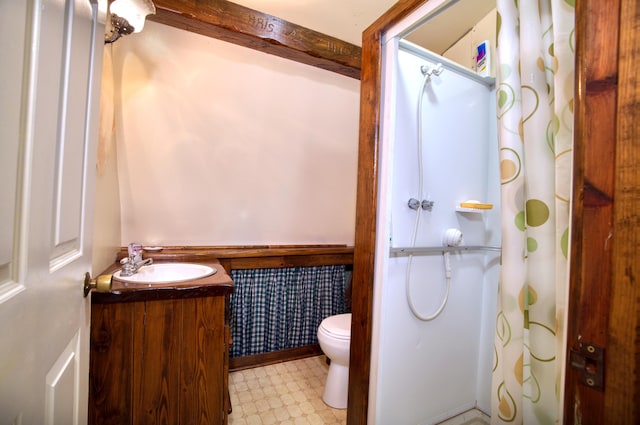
(218, 284)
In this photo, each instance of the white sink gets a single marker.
(167, 273)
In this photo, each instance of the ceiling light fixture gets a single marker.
(127, 16)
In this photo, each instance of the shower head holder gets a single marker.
(452, 237)
(429, 71)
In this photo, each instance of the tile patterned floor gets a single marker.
(472, 417)
(286, 394)
(291, 394)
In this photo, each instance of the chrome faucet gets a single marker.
(134, 261)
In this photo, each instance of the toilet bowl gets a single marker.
(334, 337)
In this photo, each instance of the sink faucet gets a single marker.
(134, 261)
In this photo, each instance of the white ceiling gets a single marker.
(347, 19)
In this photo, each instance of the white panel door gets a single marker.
(49, 98)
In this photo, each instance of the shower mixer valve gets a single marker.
(426, 205)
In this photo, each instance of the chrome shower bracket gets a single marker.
(436, 70)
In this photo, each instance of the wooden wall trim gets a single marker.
(604, 298)
(277, 262)
(250, 28)
(252, 257)
(592, 215)
(623, 394)
(274, 357)
(367, 207)
(242, 256)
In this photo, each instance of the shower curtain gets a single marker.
(535, 52)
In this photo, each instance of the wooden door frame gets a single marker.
(606, 152)
(604, 292)
(367, 207)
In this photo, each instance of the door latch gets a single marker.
(589, 360)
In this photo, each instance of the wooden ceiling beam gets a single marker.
(250, 28)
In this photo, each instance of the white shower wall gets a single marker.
(428, 371)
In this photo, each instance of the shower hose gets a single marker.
(447, 263)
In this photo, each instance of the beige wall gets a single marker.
(222, 145)
(464, 51)
(107, 228)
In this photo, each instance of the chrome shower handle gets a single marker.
(426, 205)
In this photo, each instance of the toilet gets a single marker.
(334, 337)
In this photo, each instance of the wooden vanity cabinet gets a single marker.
(162, 359)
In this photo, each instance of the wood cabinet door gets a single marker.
(159, 362)
(111, 370)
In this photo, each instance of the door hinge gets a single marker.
(589, 360)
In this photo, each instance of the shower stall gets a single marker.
(434, 294)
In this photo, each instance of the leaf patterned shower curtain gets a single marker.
(535, 52)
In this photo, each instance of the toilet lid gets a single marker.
(338, 326)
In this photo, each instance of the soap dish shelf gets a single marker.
(472, 210)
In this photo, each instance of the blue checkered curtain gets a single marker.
(275, 309)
